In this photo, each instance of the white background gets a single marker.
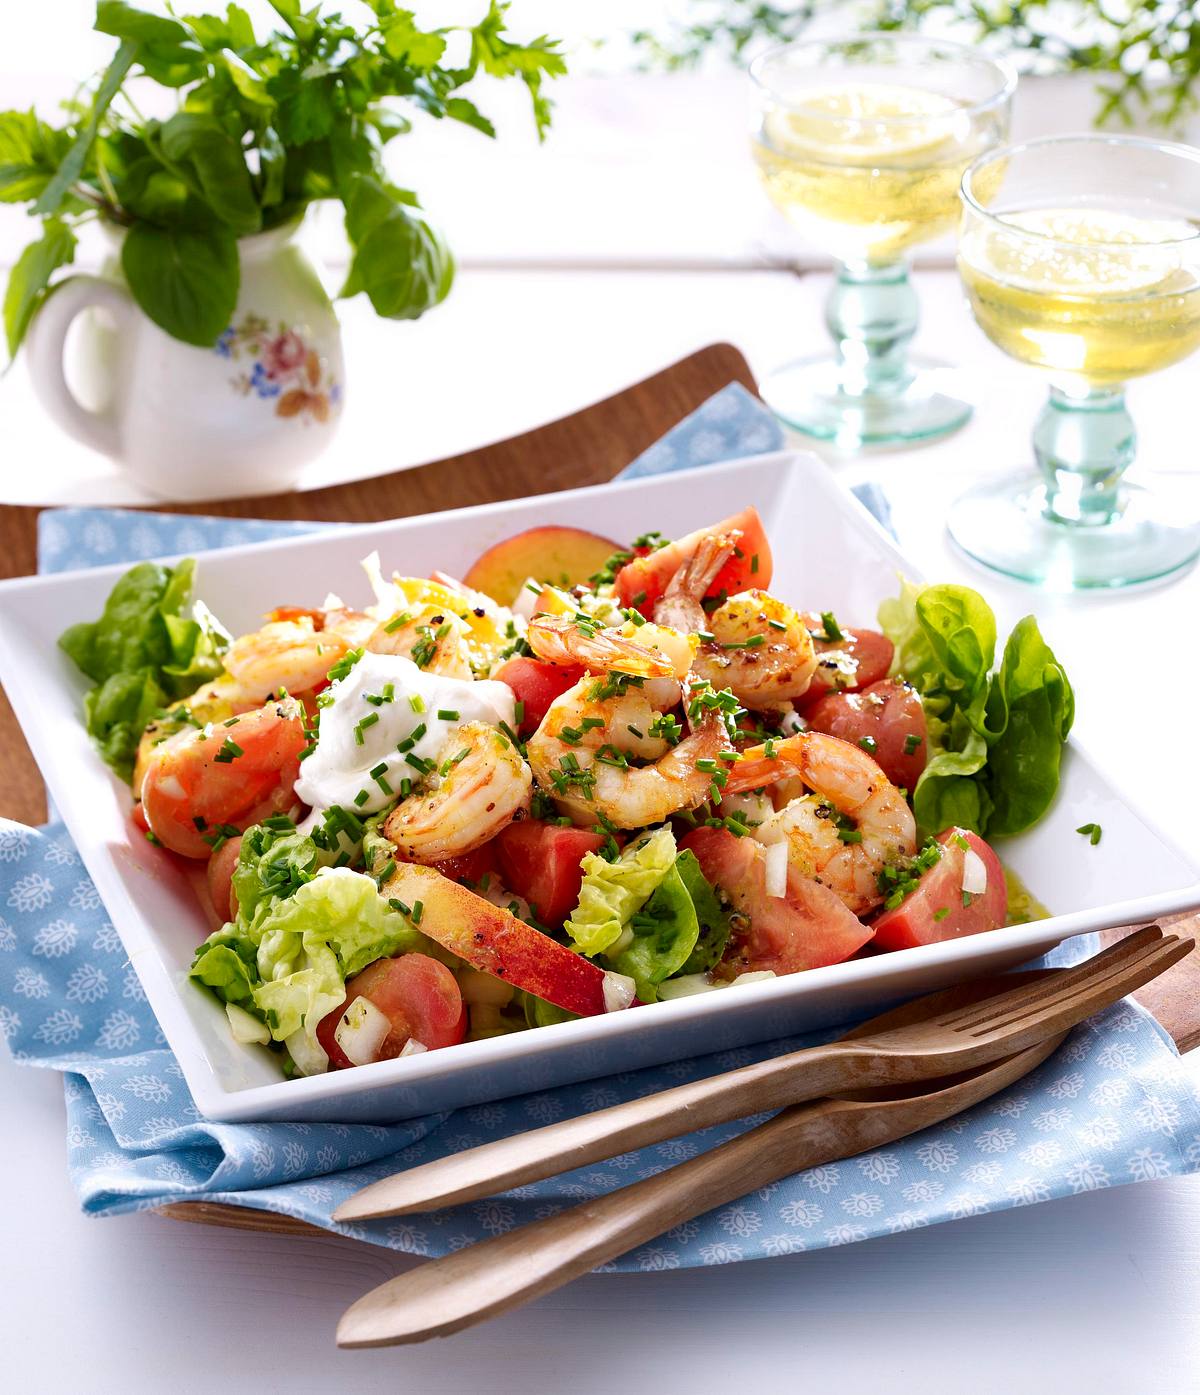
(634, 236)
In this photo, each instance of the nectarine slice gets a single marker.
(551, 553)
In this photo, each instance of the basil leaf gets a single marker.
(399, 261)
(185, 279)
(122, 21)
(30, 152)
(213, 160)
(76, 157)
(29, 281)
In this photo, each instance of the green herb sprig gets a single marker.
(265, 125)
(1147, 56)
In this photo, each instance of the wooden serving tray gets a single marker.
(588, 447)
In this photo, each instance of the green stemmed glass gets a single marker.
(861, 143)
(1081, 255)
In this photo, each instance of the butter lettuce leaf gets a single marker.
(302, 929)
(613, 891)
(681, 928)
(995, 740)
(150, 646)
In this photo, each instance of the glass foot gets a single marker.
(1002, 525)
(808, 396)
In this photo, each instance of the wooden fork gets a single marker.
(491, 1277)
(942, 1033)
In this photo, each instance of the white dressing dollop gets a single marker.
(383, 703)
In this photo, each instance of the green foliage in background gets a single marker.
(263, 126)
(1148, 53)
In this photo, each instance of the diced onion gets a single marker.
(619, 991)
(361, 1031)
(686, 985)
(974, 878)
(412, 1047)
(245, 1027)
(776, 870)
(307, 1053)
(527, 599)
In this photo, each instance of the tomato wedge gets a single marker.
(887, 719)
(935, 910)
(418, 995)
(642, 582)
(540, 862)
(805, 929)
(536, 684)
(848, 664)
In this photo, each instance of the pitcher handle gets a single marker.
(44, 347)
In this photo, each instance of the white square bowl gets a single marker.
(829, 553)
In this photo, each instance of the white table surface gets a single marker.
(586, 268)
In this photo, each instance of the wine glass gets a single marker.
(1081, 255)
(861, 143)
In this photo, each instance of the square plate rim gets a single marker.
(219, 1103)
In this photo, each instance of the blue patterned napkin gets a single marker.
(1114, 1105)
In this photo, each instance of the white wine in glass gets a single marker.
(861, 143)
(1080, 256)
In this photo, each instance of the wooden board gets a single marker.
(587, 447)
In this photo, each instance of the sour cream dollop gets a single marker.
(386, 702)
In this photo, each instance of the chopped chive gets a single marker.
(361, 797)
(833, 630)
(941, 913)
(398, 905)
(518, 712)
(361, 726)
(231, 722)
(418, 911)
(416, 702)
(1092, 832)
(869, 744)
(911, 742)
(754, 563)
(397, 622)
(752, 643)
(228, 753)
(966, 898)
(777, 624)
(631, 728)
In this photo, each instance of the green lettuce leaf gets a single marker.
(661, 937)
(1031, 708)
(994, 739)
(612, 891)
(142, 653)
(302, 929)
(713, 920)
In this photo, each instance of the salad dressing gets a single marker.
(385, 723)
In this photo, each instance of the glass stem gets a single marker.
(1084, 441)
(872, 315)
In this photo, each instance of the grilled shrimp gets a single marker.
(646, 651)
(843, 834)
(585, 750)
(205, 780)
(293, 651)
(751, 643)
(481, 784)
(433, 639)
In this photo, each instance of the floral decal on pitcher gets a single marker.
(285, 369)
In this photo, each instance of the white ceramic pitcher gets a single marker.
(241, 418)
